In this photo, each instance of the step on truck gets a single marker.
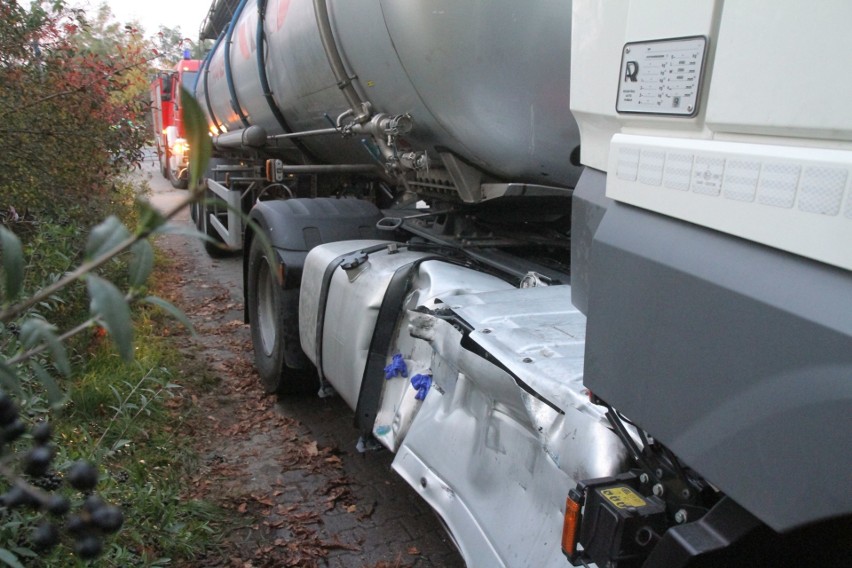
(584, 267)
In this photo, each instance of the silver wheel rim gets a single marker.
(266, 308)
(173, 171)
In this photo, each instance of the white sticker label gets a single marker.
(661, 77)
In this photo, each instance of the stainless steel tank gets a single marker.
(488, 81)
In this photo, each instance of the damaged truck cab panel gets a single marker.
(478, 388)
(634, 352)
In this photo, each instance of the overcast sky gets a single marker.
(186, 14)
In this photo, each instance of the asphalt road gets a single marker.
(400, 529)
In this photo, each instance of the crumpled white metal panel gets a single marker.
(539, 336)
(433, 279)
(494, 461)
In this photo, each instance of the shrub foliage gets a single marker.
(73, 108)
(71, 120)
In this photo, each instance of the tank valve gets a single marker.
(414, 160)
(396, 125)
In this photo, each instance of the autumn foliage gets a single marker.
(72, 112)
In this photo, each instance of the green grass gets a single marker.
(118, 417)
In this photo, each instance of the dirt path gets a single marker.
(287, 468)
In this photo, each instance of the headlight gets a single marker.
(181, 147)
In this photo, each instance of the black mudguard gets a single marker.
(295, 226)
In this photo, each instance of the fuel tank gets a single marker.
(486, 81)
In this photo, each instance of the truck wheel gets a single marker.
(163, 156)
(274, 316)
(177, 183)
(174, 177)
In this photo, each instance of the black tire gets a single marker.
(174, 177)
(163, 156)
(274, 315)
(198, 213)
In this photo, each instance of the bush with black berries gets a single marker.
(60, 306)
(62, 508)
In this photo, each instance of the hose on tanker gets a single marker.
(267, 91)
(235, 103)
(271, 186)
(204, 73)
(360, 107)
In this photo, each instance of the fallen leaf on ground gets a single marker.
(312, 449)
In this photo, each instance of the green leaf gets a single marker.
(54, 393)
(35, 331)
(20, 551)
(171, 310)
(111, 307)
(13, 262)
(120, 444)
(105, 237)
(200, 146)
(150, 219)
(141, 264)
(9, 558)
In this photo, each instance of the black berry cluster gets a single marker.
(11, 427)
(87, 525)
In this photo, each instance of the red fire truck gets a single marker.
(167, 119)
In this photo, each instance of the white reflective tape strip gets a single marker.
(791, 198)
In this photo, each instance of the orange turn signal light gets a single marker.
(570, 527)
(281, 273)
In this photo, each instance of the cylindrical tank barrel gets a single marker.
(488, 82)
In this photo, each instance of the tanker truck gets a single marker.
(583, 267)
(167, 119)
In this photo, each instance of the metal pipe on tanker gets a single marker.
(315, 169)
(306, 133)
(331, 169)
(252, 137)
